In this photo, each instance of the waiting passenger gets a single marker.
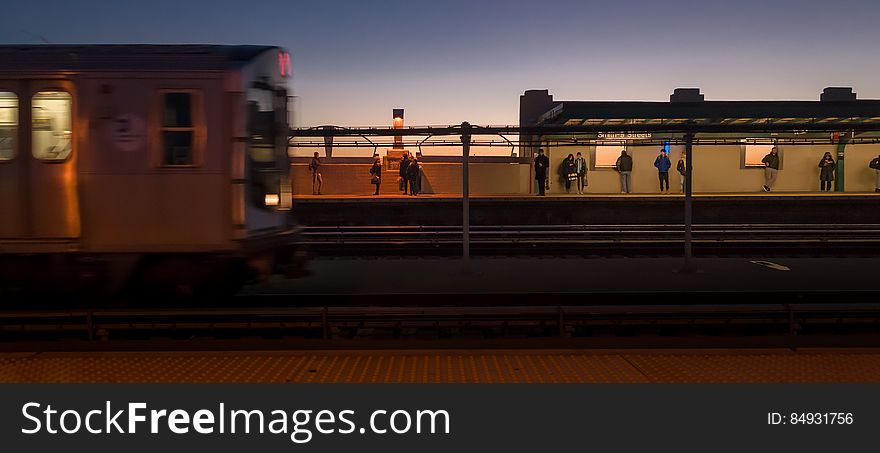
(682, 169)
(542, 162)
(376, 175)
(624, 166)
(875, 165)
(826, 172)
(569, 172)
(771, 168)
(315, 170)
(414, 173)
(404, 176)
(663, 165)
(580, 165)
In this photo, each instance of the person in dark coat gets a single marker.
(771, 168)
(569, 172)
(376, 175)
(580, 165)
(826, 172)
(403, 173)
(624, 166)
(315, 170)
(542, 162)
(414, 173)
(663, 165)
(682, 169)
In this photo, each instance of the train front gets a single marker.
(261, 176)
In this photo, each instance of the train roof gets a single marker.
(112, 57)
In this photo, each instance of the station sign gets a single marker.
(624, 136)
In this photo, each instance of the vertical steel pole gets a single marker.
(465, 191)
(688, 199)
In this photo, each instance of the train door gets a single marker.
(50, 148)
(14, 212)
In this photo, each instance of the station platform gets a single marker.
(589, 209)
(448, 366)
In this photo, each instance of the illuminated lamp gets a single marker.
(272, 199)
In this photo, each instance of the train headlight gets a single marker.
(272, 199)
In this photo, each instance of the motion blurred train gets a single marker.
(144, 166)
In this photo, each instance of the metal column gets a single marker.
(465, 191)
(688, 201)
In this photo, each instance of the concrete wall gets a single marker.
(438, 178)
(718, 169)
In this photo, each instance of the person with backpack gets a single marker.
(315, 170)
(826, 172)
(875, 165)
(624, 166)
(663, 164)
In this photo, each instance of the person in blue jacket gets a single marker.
(663, 165)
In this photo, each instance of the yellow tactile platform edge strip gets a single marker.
(441, 367)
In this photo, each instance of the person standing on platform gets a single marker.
(875, 165)
(580, 166)
(569, 172)
(315, 170)
(771, 168)
(663, 165)
(624, 166)
(826, 172)
(414, 171)
(542, 162)
(404, 175)
(682, 168)
(376, 175)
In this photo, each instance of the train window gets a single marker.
(8, 124)
(178, 129)
(51, 125)
(606, 155)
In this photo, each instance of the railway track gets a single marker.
(727, 325)
(508, 239)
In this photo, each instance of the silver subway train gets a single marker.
(143, 166)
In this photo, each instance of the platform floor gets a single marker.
(453, 366)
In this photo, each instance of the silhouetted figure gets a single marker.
(315, 170)
(404, 176)
(663, 165)
(682, 169)
(580, 167)
(414, 172)
(624, 166)
(376, 175)
(569, 172)
(542, 162)
(771, 168)
(826, 172)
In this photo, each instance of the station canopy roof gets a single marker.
(588, 113)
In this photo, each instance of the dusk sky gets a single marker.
(450, 61)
